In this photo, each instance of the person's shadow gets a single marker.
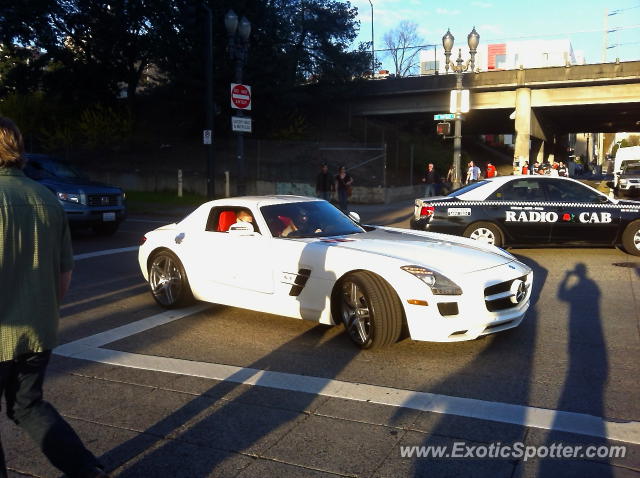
(587, 371)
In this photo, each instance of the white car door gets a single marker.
(234, 259)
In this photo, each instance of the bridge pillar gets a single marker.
(522, 127)
(537, 149)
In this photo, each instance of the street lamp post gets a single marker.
(373, 51)
(238, 47)
(473, 39)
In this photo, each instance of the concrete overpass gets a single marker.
(548, 102)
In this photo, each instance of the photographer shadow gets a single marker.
(587, 374)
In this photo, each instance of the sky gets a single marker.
(497, 21)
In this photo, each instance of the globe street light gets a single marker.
(238, 48)
(473, 39)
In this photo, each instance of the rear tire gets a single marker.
(631, 238)
(369, 309)
(168, 281)
(485, 232)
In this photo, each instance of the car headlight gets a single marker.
(439, 284)
(623, 181)
(75, 198)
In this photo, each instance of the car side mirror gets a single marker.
(242, 229)
(355, 216)
(602, 199)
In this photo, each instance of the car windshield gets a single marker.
(52, 168)
(631, 169)
(308, 219)
(467, 188)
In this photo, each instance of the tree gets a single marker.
(403, 44)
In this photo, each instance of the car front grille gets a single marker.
(102, 200)
(498, 296)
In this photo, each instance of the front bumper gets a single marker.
(80, 215)
(468, 316)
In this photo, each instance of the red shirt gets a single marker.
(491, 171)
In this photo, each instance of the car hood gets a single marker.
(439, 251)
(85, 185)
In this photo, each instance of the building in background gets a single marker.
(508, 56)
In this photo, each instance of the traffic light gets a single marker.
(443, 128)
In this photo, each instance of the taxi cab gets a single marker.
(532, 210)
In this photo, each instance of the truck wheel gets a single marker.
(631, 238)
(485, 232)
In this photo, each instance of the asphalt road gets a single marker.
(322, 408)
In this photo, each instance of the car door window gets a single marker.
(221, 218)
(569, 191)
(521, 190)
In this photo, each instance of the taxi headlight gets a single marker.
(439, 284)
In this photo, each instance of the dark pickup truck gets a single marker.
(87, 203)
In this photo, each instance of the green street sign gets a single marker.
(444, 116)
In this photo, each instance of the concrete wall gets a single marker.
(197, 184)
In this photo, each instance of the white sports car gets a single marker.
(301, 257)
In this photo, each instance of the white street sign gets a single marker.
(206, 136)
(459, 101)
(241, 124)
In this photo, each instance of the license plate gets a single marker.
(108, 216)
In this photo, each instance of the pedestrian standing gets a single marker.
(473, 173)
(525, 168)
(35, 271)
(562, 170)
(343, 188)
(324, 183)
(431, 179)
(492, 172)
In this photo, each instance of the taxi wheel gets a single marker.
(168, 281)
(631, 238)
(485, 232)
(369, 309)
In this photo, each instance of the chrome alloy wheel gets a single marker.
(483, 234)
(165, 280)
(356, 315)
(636, 239)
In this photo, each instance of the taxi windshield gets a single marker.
(308, 219)
(466, 188)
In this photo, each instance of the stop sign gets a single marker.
(240, 96)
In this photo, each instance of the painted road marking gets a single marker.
(107, 252)
(89, 348)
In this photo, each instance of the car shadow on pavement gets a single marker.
(229, 425)
(487, 376)
(582, 391)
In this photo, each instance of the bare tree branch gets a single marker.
(401, 43)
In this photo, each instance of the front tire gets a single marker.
(485, 232)
(631, 238)
(168, 281)
(369, 309)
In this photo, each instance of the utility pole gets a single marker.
(211, 186)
